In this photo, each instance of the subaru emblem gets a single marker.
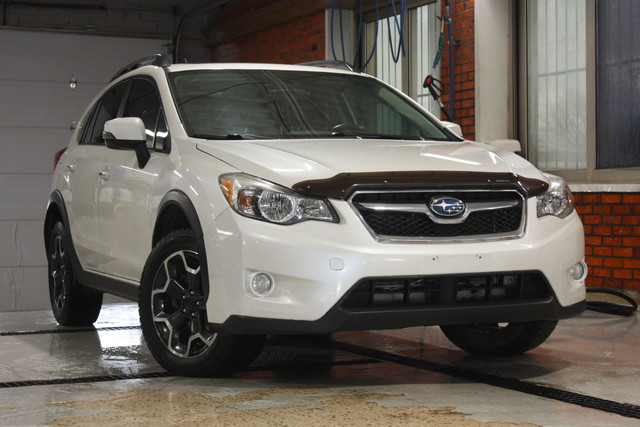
(446, 206)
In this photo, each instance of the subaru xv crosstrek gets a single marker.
(232, 201)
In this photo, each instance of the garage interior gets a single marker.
(57, 55)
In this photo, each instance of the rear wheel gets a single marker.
(72, 304)
(496, 339)
(173, 314)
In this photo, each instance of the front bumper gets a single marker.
(315, 265)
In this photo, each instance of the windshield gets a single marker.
(249, 104)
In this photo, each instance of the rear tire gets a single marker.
(173, 314)
(72, 304)
(493, 339)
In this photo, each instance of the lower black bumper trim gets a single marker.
(337, 319)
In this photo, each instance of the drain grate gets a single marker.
(70, 330)
(95, 379)
(610, 406)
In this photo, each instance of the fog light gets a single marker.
(578, 271)
(261, 284)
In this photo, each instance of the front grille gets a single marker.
(395, 224)
(439, 291)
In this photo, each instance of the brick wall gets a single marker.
(612, 238)
(463, 67)
(300, 39)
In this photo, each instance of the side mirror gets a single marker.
(127, 133)
(512, 145)
(453, 127)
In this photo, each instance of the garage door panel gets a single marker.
(24, 197)
(23, 244)
(43, 104)
(37, 107)
(56, 57)
(31, 149)
(23, 288)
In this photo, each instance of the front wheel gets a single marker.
(495, 339)
(173, 314)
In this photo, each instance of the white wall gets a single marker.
(37, 107)
(494, 70)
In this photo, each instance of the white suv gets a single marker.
(233, 201)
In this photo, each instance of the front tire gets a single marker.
(72, 304)
(493, 339)
(173, 314)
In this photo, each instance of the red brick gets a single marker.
(592, 198)
(631, 263)
(602, 209)
(594, 281)
(584, 209)
(611, 198)
(622, 231)
(612, 283)
(603, 251)
(631, 220)
(621, 209)
(592, 219)
(593, 240)
(612, 262)
(612, 241)
(601, 272)
(633, 242)
(631, 198)
(632, 285)
(622, 274)
(602, 231)
(623, 253)
(593, 261)
(612, 219)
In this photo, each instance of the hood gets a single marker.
(287, 162)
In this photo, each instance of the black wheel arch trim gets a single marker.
(88, 279)
(180, 200)
(111, 285)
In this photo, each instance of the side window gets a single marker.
(144, 102)
(106, 109)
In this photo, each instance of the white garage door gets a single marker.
(37, 106)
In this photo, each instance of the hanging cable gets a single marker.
(609, 307)
(399, 27)
(435, 86)
(375, 40)
(359, 41)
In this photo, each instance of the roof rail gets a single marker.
(342, 65)
(159, 60)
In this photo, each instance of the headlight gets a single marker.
(557, 201)
(259, 199)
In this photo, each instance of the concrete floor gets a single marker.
(407, 377)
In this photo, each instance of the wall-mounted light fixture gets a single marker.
(73, 82)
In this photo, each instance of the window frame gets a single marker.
(91, 116)
(407, 62)
(590, 175)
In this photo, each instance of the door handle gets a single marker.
(71, 167)
(104, 175)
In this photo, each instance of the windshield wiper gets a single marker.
(231, 136)
(364, 135)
